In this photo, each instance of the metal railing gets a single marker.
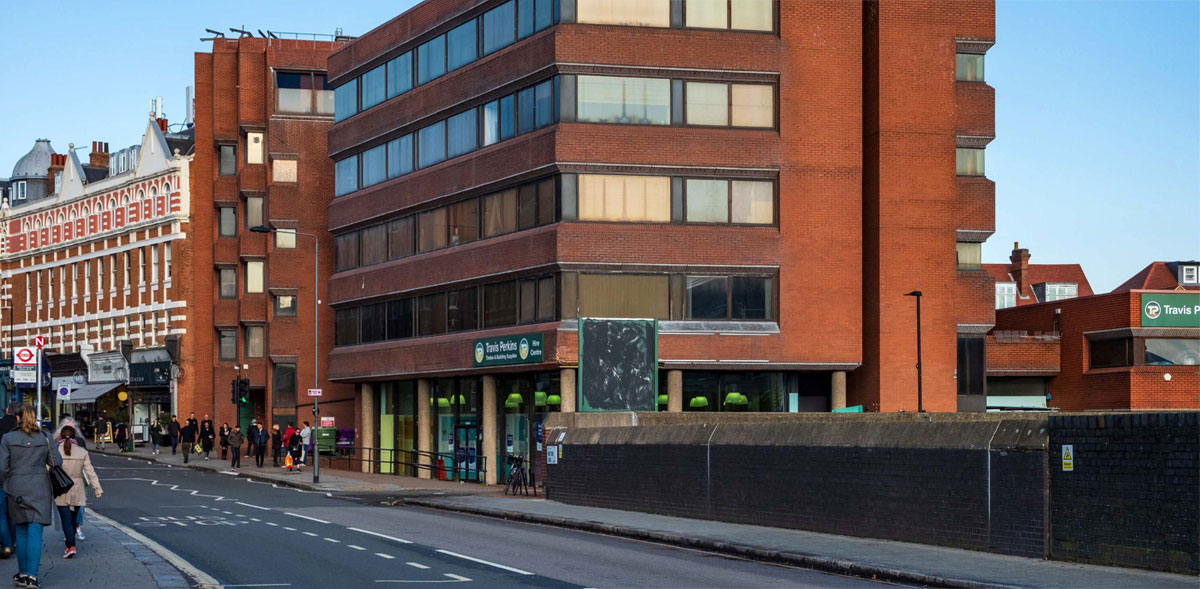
(440, 465)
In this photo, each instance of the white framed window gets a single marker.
(154, 264)
(125, 271)
(167, 263)
(1057, 291)
(1189, 274)
(1006, 295)
(20, 191)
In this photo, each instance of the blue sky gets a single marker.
(1096, 160)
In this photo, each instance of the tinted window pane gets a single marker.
(545, 302)
(431, 314)
(228, 157)
(1172, 352)
(254, 211)
(643, 13)
(707, 104)
(491, 123)
(227, 344)
(462, 310)
(507, 120)
(546, 201)
(543, 95)
(431, 142)
(753, 298)
(374, 165)
(431, 230)
(752, 15)
(544, 13)
(371, 318)
(345, 327)
(527, 206)
(373, 245)
(374, 90)
(228, 221)
(624, 198)
(498, 27)
(228, 283)
(706, 297)
(400, 160)
(707, 201)
(463, 221)
(399, 319)
(753, 202)
(753, 105)
(969, 161)
(345, 176)
(400, 238)
(525, 19)
(285, 306)
(500, 213)
(431, 59)
(607, 99)
(968, 67)
(623, 295)
(500, 304)
(283, 385)
(460, 131)
(525, 111)
(345, 100)
(346, 247)
(460, 46)
(527, 300)
(399, 75)
(1111, 352)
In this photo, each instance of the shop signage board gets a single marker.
(510, 349)
(1068, 457)
(1171, 309)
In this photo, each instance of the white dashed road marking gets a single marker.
(355, 547)
(310, 534)
(457, 578)
(378, 535)
(382, 555)
(333, 540)
(489, 563)
(313, 519)
(416, 565)
(254, 506)
(289, 529)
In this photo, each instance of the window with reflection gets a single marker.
(372, 322)
(400, 238)
(431, 59)
(462, 219)
(432, 230)
(431, 142)
(624, 295)
(400, 319)
(640, 13)
(460, 46)
(968, 67)
(624, 198)
(373, 246)
(431, 314)
(400, 156)
(610, 99)
(374, 165)
(500, 213)
(460, 134)
(462, 310)
(969, 161)
(309, 93)
(345, 176)
(399, 75)
(500, 304)
(345, 327)
(499, 27)
(346, 251)
(374, 87)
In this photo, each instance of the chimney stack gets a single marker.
(1020, 267)
(162, 124)
(58, 161)
(98, 158)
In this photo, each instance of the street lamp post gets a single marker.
(316, 341)
(917, 294)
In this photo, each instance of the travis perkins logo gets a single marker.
(479, 352)
(1153, 310)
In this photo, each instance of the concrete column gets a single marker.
(424, 428)
(489, 429)
(566, 389)
(837, 394)
(674, 391)
(367, 415)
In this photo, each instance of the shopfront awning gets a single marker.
(90, 392)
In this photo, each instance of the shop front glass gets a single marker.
(397, 427)
(456, 406)
(736, 391)
(524, 402)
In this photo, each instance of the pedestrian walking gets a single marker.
(173, 432)
(235, 447)
(294, 451)
(121, 435)
(187, 437)
(251, 436)
(208, 436)
(78, 465)
(305, 443)
(276, 445)
(8, 423)
(24, 455)
(223, 434)
(156, 435)
(260, 446)
(103, 430)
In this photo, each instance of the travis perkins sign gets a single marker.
(1170, 309)
(510, 349)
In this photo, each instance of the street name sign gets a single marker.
(314, 392)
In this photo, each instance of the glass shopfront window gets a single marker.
(397, 427)
(524, 401)
(456, 403)
(737, 391)
(1172, 352)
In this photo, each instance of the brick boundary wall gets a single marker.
(992, 483)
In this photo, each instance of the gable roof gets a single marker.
(1042, 273)
(1158, 276)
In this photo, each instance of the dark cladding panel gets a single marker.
(618, 364)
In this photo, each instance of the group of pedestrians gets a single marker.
(199, 437)
(26, 456)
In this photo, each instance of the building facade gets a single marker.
(263, 108)
(761, 178)
(1021, 283)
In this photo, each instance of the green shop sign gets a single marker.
(1171, 309)
(510, 349)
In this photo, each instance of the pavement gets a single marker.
(108, 557)
(885, 560)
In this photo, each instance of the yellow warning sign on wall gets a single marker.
(1068, 457)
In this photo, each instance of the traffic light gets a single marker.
(233, 391)
(243, 390)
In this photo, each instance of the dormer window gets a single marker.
(1189, 275)
(1055, 291)
(19, 191)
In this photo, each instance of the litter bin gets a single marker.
(326, 439)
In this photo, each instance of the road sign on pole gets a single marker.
(64, 393)
(25, 357)
(314, 392)
(39, 342)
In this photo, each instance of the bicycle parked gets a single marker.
(518, 479)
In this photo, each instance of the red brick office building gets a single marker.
(263, 108)
(767, 179)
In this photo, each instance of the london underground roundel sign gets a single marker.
(25, 356)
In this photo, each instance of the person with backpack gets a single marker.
(78, 465)
(235, 447)
(260, 446)
(25, 454)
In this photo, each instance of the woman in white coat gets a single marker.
(70, 505)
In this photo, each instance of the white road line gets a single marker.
(255, 519)
(254, 506)
(489, 563)
(378, 535)
(289, 529)
(457, 578)
(356, 547)
(333, 540)
(272, 524)
(320, 521)
(416, 565)
(382, 555)
(227, 512)
(310, 534)
(199, 577)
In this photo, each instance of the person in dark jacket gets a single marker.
(276, 445)
(121, 435)
(223, 439)
(8, 423)
(235, 447)
(208, 436)
(173, 432)
(295, 449)
(251, 437)
(187, 437)
(260, 446)
(24, 454)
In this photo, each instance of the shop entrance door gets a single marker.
(466, 451)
